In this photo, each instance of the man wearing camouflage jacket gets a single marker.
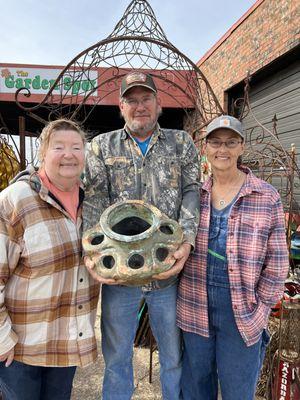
(160, 166)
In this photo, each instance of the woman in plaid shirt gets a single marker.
(234, 275)
(47, 298)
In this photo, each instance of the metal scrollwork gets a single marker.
(269, 160)
(137, 42)
(266, 155)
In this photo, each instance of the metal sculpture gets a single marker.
(285, 378)
(137, 42)
(269, 160)
(9, 165)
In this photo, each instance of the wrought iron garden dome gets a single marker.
(137, 42)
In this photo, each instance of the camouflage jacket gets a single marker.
(167, 176)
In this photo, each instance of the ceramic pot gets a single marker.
(133, 241)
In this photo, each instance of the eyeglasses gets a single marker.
(145, 101)
(230, 144)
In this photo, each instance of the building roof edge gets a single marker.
(229, 32)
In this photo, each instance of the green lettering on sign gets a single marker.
(36, 83)
(27, 83)
(10, 82)
(76, 87)
(67, 83)
(19, 83)
(45, 84)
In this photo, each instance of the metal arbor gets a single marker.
(269, 160)
(137, 42)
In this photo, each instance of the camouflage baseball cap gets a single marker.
(225, 122)
(137, 78)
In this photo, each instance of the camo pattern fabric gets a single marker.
(167, 176)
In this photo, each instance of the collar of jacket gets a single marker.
(158, 132)
(252, 183)
(31, 176)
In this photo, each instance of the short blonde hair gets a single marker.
(54, 126)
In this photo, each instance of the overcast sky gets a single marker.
(52, 32)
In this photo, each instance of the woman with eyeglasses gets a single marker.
(233, 277)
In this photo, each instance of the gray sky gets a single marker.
(52, 32)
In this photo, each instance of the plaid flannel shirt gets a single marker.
(257, 261)
(47, 298)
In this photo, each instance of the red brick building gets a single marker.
(269, 30)
(265, 42)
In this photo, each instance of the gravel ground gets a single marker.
(87, 384)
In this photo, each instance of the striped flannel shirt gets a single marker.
(47, 299)
(257, 261)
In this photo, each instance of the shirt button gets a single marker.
(231, 269)
(80, 334)
(80, 307)
(235, 307)
(81, 280)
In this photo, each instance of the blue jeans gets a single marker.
(223, 355)
(119, 322)
(27, 382)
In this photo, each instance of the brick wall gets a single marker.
(267, 31)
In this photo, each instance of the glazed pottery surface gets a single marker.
(133, 241)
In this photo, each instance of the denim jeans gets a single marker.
(27, 382)
(119, 322)
(223, 355)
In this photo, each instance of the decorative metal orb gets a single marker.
(133, 241)
(9, 166)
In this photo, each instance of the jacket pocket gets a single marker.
(168, 171)
(121, 173)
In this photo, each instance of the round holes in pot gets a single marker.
(162, 253)
(108, 262)
(166, 229)
(136, 261)
(97, 240)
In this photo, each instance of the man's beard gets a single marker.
(141, 128)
